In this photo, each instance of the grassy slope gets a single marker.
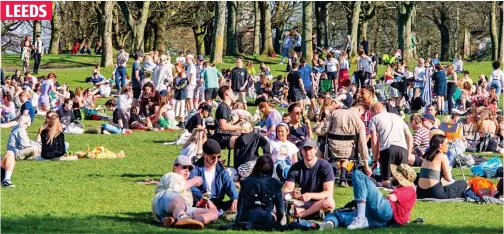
(102, 196)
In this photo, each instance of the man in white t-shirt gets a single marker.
(191, 76)
(419, 74)
(391, 140)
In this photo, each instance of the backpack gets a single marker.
(482, 186)
(259, 197)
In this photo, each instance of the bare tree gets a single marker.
(107, 58)
(404, 18)
(257, 27)
(267, 33)
(307, 30)
(55, 30)
(494, 31)
(220, 22)
(136, 26)
(231, 48)
(355, 27)
(37, 29)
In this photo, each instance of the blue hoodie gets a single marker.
(224, 184)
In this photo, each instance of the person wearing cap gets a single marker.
(216, 180)
(391, 140)
(375, 209)
(429, 121)
(346, 122)
(137, 75)
(191, 87)
(211, 77)
(172, 203)
(199, 92)
(162, 77)
(120, 74)
(315, 178)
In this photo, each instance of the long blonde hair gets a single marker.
(54, 128)
(198, 137)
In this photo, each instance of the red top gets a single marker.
(406, 198)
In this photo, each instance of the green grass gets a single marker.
(102, 195)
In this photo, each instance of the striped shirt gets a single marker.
(122, 58)
(421, 138)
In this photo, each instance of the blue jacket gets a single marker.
(224, 184)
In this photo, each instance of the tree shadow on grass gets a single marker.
(141, 222)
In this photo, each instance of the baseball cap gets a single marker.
(310, 143)
(429, 117)
(183, 160)
(211, 146)
(201, 58)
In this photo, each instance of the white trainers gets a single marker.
(358, 223)
(328, 225)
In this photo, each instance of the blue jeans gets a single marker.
(378, 209)
(285, 54)
(111, 128)
(497, 85)
(120, 76)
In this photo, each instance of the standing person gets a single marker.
(364, 67)
(211, 76)
(137, 75)
(25, 53)
(348, 46)
(37, 56)
(452, 87)
(332, 70)
(374, 62)
(162, 77)
(199, 92)
(46, 90)
(419, 74)
(296, 91)
(120, 74)
(343, 70)
(440, 90)
(286, 45)
(180, 90)
(435, 61)
(315, 178)
(239, 76)
(496, 78)
(224, 127)
(365, 45)
(307, 76)
(191, 87)
(391, 140)
(297, 43)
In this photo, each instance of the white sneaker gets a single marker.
(358, 223)
(326, 226)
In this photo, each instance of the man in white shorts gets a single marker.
(191, 76)
(173, 201)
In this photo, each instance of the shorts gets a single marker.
(190, 93)
(162, 201)
(241, 97)
(295, 96)
(392, 155)
(332, 75)
(310, 94)
(223, 139)
(210, 93)
(200, 94)
(136, 92)
(180, 107)
(28, 153)
(297, 49)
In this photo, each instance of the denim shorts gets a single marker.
(162, 201)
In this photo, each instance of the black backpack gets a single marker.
(259, 197)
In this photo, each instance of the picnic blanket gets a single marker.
(441, 200)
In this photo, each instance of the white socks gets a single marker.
(361, 210)
(8, 175)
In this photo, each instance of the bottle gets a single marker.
(290, 214)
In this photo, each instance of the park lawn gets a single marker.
(102, 195)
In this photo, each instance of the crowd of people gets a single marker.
(339, 126)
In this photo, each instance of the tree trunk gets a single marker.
(199, 36)
(363, 29)
(456, 49)
(445, 43)
(324, 16)
(231, 48)
(493, 31)
(268, 35)
(467, 43)
(404, 22)
(307, 44)
(55, 30)
(501, 21)
(257, 28)
(278, 37)
(37, 29)
(501, 39)
(209, 37)
(408, 43)
(116, 38)
(137, 26)
(220, 21)
(159, 37)
(355, 27)
(318, 20)
(107, 57)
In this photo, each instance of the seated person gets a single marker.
(224, 127)
(429, 121)
(279, 91)
(260, 199)
(271, 118)
(7, 166)
(85, 49)
(420, 140)
(196, 121)
(375, 209)
(67, 117)
(164, 116)
(135, 122)
(53, 139)
(240, 113)
(283, 151)
(97, 78)
(19, 144)
(247, 149)
(193, 148)
(315, 178)
(216, 180)
(172, 203)
(149, 101)
(98, 48)
(436, 162)
(119, 124)
(299, 131)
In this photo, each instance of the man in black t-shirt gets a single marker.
(119, 120)
(224, 128)
(315, 178)
(196, 121)
(239, 76)
(365, 45)
(297, 92)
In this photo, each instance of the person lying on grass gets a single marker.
(119, 124)
(172, 204)
(216, 180)
(375, 209)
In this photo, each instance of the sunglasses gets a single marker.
(214, 156)
(186, 167)
(297, 113)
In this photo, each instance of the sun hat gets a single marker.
(404, 174)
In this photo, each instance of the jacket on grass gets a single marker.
(224, 184)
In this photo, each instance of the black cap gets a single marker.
(211, 147)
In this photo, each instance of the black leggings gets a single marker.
(451, 90)
(438, 191)
(362, 78)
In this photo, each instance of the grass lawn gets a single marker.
(102, 195)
